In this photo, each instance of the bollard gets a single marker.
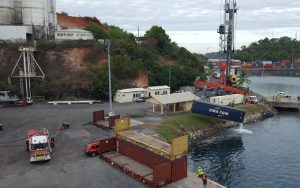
(1, 127)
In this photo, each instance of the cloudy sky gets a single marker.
(193, 23)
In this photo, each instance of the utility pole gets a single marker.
(111, 113)
(170, 71)
(138, 34)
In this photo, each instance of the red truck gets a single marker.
(92, 148)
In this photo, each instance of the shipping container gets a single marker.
(177, 149)
(277, 66)
(144, 165)
(100, 120)
(107, 145)
(139, 154)
(98, 116)
(268, 66)
(179, 167)
(267, 62)
(218, 111)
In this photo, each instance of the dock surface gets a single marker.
(288, 103)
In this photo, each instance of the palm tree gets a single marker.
(243, 77)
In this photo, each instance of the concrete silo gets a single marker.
(18, 13)
(34, 12)
(7, 12)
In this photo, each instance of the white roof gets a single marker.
(130, 90)
(39, 139)
(158, 87)
(175, 98)
(74, 30)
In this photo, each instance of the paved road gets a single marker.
(69, 166)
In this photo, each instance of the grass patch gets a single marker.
(252, 108)
(179, 124)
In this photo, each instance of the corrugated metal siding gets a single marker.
(98, 115)
(162, 173)
(140, 154)
(107, 145)
(179, 169)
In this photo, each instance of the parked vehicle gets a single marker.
(140, 99)
(251, 99)
(92, 148)
(39, 145)
(282, 94)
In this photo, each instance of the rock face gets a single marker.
(69, 68)
(249, 118)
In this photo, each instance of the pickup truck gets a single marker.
(92, 148)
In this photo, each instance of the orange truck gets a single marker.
(39, 145)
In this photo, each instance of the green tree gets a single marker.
(160, 39)
(100, 85)
(243, 78)
(96, 31)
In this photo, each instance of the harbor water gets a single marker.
(265, 154)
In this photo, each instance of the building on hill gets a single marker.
(73, 34)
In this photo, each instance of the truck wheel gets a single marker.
(93, 154)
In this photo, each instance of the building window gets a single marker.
(156, 92)
(165, 92)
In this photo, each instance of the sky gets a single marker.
(193, 23)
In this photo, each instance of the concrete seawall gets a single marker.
(193, 181)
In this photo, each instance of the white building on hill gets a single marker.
(73, 34)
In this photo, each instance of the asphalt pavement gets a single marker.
(69, 166)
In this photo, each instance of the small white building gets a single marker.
(73, 34)
(227, 99)
(129, 95)
(158, 90)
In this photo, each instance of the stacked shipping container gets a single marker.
(144, 161)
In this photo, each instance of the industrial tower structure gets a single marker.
(25, 69)
(226, 31)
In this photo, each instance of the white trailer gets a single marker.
(227, 99)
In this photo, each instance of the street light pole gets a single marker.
(170, 71)
(111, 113)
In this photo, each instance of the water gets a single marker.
(267, 158)
(242, 130)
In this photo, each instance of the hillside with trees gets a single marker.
(79, 68)
(274, 49)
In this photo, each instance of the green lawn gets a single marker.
(180, 124)
(252, 108)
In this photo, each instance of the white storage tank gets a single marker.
(7, 12)
(18, 13)
(34, 12)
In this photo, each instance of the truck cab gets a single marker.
(251, 99)
(38, 145)
(92, 148)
